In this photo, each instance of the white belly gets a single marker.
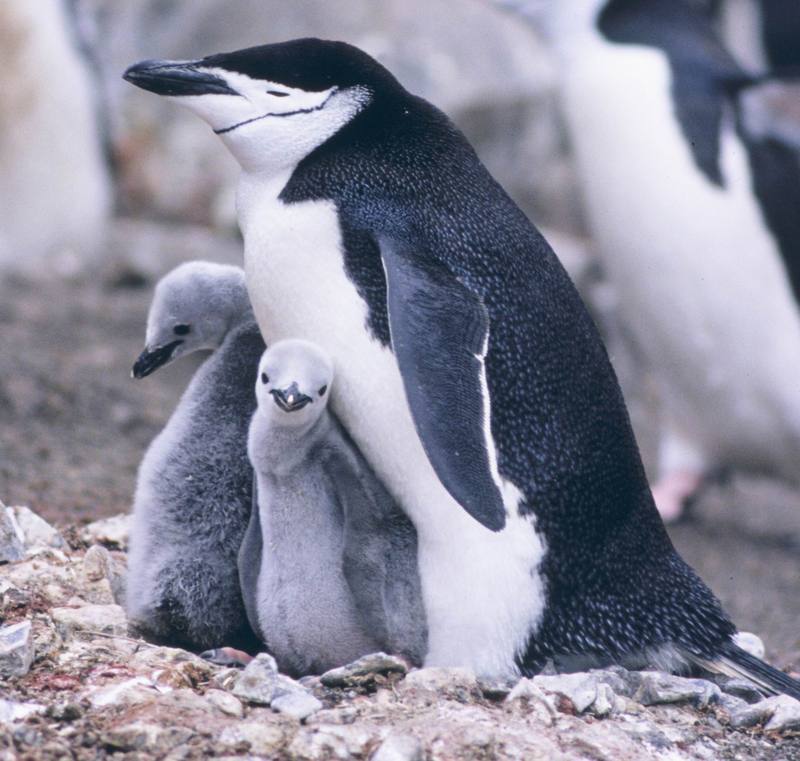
(700, 279)
(481, 592)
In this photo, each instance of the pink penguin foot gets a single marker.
(672, 491)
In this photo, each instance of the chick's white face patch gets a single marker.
(271, 124)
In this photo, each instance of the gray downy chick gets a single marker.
(340, 579)
(193, 494)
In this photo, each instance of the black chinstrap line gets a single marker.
(286, 113)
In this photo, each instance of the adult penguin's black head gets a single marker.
(273, 104)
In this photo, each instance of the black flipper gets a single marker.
(735, 662)
(439, 331)
(249, 563)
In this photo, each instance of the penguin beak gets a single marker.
(176, 78)
(149, 361)
(290, 399)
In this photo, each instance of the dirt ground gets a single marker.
(74, 426)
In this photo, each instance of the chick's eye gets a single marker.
(277, 93)
(323, 390)
(264, 378)
(181, 330)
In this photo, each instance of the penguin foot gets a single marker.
(673, 491)
(226, 656)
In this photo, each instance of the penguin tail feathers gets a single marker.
(735, 662)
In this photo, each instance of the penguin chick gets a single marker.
(340, 579)
(192, 501)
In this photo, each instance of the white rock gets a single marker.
(657, 688)
(261, 683)
(111, 532)
(298, 705)
(264, 739)
(13, 711)
(36, 531)
(16, 649)
(750, 643)
(580, 688)
(130, 692)
(444, 680)
(779, 713)
(225, 702)
(365, 667)
(106, 619)
(398, 747)
(153, 739)
(96, 563)
(12, 540)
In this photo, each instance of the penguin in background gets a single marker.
(468, 371)
(193, 491)
(691, 182)
(764, 35)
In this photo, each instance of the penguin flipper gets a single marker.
(738, 663)
(249, 564)
(439, 331)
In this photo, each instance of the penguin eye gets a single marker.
(323, 390)
(277, 93)
(264, 378)
(181, 330)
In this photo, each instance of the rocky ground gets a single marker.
(76, 683)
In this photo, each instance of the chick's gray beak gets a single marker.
(176, 78)
(149, 361)
(290, 399)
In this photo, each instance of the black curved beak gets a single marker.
(149, 361)
(176, 78)
(290, 399)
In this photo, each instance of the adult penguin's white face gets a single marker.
(272, 105)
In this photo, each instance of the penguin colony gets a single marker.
(469, 378)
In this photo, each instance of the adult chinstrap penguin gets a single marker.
(691, 181)
(193, 492)
(340, 578)
(468, 370)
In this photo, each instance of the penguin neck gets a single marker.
(570, 23)
(284, 449)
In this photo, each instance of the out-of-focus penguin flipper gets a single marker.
(440, 336)
(249, 563)
(738, 663)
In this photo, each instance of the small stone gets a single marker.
(579, 688)
(96, 563)
(536, 699)
(298, 705)
(657, 688)
(779, 713)
(398, 747)
(105, 619)
(263, 739)
(261, 683)
(459, 683)
(69, 711)
(11, 711)
(110, 532)
(750, 643)
(36, 531)
(130, 692)
(363, 670)
(225, 702)
(12, 541)
(495, 689)
(143, 736)
(16, 649)
(740, 688)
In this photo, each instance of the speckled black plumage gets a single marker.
(401, 171)
(706, 84)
